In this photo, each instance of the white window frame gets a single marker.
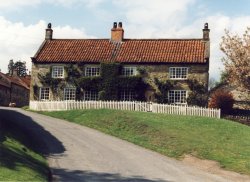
(129, 71)
(69, 93)
(172, 99)
(90, 95)
(92, 71)
(42, 93)
(127, 95)
(57, 72)
(178, 73)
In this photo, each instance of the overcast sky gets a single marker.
(23, 22)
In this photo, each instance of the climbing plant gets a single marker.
(108, 84)
(163, 87)
(198, 95)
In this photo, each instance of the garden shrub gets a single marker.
(222, 99)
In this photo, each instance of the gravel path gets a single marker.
(78, 153)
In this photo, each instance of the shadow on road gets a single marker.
(28, 132)
(88, 176)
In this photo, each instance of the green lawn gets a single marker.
(17, 161)
(207, 138)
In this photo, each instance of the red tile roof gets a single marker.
(4, 81)
(128, 51)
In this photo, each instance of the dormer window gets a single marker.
(92, 71)
(57, 72)
(178, 73)
(129, 71)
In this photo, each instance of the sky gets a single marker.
(23, 22)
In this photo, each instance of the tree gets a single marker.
(11, 67)
(21, 68)
(18, 66)
(237, 59)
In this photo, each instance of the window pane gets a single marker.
(44, 93)
(90, 95)
(178, 72)
(69, 93)
(127, 95)
(177, 96)
(92, 71)
(57, 71)
(128, 71)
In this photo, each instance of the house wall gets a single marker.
(4, 95)
(19, 95)
(160, 71)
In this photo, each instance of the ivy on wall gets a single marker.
(108, 84)
(163, 87)
(199, 94)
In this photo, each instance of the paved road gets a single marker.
(77, 153)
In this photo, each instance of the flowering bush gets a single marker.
(222, 99)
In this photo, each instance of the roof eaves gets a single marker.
(38, 51)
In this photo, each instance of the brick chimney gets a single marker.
(48, 32)
(206, 31)
(117, 32)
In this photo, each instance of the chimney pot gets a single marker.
(115, 25)
(120, 24)
(117, 33)
(206, 31)
(49, 25)
(48, 32)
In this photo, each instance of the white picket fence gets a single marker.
(124, 105)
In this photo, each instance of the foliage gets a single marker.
(108, 84)
(19, 66)
(236, 60)
(47, 80)
(163, 87)
(222, 99)
(141, 70)
(222, 140)
(110, 88)
(198, 95)
(11, 67)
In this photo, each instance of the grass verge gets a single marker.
(17, 161)
(206, 138)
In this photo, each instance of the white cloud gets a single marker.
(167, 19)
(9, 5)
(23, 44)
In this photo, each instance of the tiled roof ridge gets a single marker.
(132, 39)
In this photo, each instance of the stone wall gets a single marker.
(151, 71)
(19, 95)
(4, 95)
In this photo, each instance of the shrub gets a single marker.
(222, 99)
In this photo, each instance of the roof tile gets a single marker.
(128, 51)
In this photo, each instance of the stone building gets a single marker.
(14, 89)
(174, 60)
(5, 87)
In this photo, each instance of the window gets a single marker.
(44, 93)
(129, 71)
(57, 72)
(92, 71)
(178, 72)
(90, 95)
(127, 95)
(177, 96)
(70, 93)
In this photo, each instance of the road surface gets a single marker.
(77, 153)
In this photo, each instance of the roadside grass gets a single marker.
(19, 162)
(206, 138)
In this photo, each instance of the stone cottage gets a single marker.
(14, 89)
(74, 69)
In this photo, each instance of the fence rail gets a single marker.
(124, 105)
